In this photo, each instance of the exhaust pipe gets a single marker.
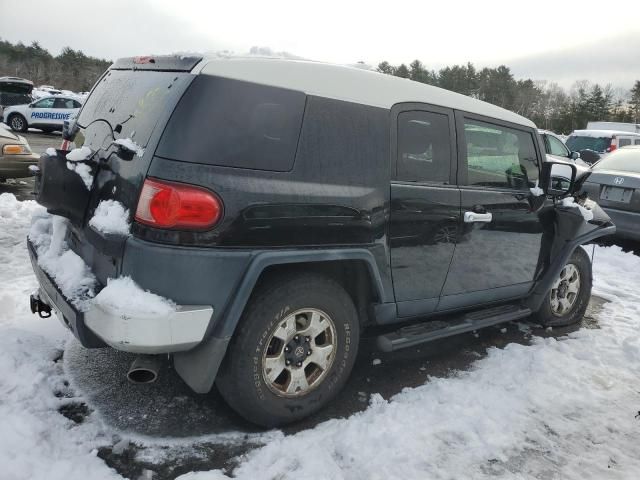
(144, 369)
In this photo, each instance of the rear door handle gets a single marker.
(471, 217)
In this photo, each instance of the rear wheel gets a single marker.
(292, 352)
(18, 123)
(567, 301)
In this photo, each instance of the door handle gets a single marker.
(471, 217)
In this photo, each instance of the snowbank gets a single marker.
(125, 296)
(111, 217)
(35, 441)
(51, 152)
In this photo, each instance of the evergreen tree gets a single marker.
(635, 101)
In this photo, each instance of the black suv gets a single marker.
(285, 206)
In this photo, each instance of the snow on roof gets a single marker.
(347, 83)
(602, 133)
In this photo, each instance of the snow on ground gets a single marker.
(111, 217)
(560, 408)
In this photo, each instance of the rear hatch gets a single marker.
(15, 91)
(131, 103)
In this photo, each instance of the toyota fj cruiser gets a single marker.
(285, 206)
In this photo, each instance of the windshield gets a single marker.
(622, 160)
(597, 144)
(134, 100)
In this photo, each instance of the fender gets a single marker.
(198, 367)
(565, 230)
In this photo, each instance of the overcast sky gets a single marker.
(557, 40)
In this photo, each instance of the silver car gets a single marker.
(615, 184)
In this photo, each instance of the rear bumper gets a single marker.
(99, 326)
(627, 223)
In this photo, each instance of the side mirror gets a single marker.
(558, 178)
(574, 155)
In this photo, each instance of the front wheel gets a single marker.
(567, 301)
(292, 352)
(18, 123)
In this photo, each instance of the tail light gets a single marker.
(177, 206)
(612, 145)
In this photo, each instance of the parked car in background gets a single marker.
(555, 147)
(14, 91)
(615, 184)
(286, 206)
(15, 156)
(594, 145)
(619, 126)
(47, 114)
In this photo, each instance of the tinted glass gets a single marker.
(63, 103)
(623, 160)
(76, 104)
(500, 157)
(637, 141)
(556, 147)
(576, 143)
(235, 124)
(9, 99)
(133, 99)
(424, 147)
(46, 103)
(623, 142)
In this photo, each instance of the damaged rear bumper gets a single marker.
(100, 326)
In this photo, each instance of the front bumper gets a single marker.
(627, 223)
(99, 326)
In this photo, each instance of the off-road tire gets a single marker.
(17, 123)
(546, 317)
(241, 380)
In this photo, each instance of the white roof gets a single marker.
(348, 83)
(603, 133)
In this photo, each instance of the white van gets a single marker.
(596, 144)
(619, 126)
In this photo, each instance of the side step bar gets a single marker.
(436, 329)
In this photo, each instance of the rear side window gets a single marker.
(623, 142)
(424, 147)
(636, 141)
(499, 157)
(232, 123)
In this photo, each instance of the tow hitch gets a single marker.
(38, 306)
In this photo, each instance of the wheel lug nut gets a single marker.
(287, 362)
(299, 364)
(287, 349)
(309, 352)
(307, 339)
(296, 338)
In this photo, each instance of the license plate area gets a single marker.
(615, 194)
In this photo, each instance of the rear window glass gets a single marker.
(132, 99)
(623, 142)
(597, 144)
(627, 160)
(234, 123)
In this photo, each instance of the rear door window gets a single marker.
(424, 147)
(46, 103)
(556, 147)
(499, 157)
(623, 142)
(233, 123)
